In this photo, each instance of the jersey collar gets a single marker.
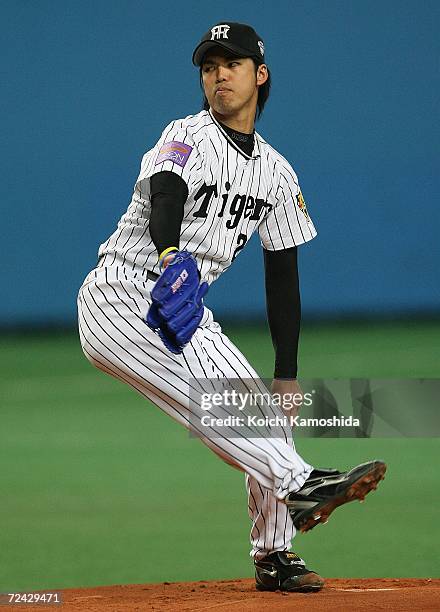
(255, 153)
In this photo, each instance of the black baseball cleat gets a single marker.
(285, 571)
(325, 490)
(322, 472)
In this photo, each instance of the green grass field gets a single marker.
(99, 487)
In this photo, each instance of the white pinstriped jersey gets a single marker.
(230, 195)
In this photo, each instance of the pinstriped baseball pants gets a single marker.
(112, 306)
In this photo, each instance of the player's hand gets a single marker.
(290, 394)
(177, 301)
(167, 260)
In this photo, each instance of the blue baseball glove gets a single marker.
(177, 302)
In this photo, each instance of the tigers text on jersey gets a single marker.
(230, 195)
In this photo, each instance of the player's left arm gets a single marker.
(283, 303)
(285, 227)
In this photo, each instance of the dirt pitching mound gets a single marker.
(339, 595)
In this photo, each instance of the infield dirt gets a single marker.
(339, 595)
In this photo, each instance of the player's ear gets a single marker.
(262, 74)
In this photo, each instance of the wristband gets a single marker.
(166, 252)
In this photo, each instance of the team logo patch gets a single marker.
(175, 151)
(220, 31)
(302, 205)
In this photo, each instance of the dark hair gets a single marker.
(263, 91)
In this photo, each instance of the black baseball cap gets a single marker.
(238, 38)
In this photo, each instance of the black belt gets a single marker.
(150, 275)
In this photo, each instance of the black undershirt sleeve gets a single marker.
(168, 194)
(283, 308)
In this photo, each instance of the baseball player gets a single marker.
(204, 188)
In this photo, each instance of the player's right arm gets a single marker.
(174, 313)
(168, 173)
(169, 193)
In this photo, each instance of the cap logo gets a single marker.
(220, 31)
(261, 45)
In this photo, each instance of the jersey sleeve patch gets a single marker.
(174, 151)
(302, 205)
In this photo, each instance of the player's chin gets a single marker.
(224, 107)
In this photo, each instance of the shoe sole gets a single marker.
(356, 490)
(301, 588)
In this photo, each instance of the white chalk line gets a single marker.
(363, 590)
